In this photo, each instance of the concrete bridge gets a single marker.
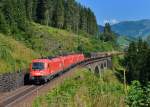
(99, 65)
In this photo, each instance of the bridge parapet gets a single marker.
(99, 65)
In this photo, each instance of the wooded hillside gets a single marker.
(63, 14)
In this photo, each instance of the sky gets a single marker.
(114, 11)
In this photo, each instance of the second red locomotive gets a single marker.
(44, 69)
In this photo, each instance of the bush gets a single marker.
(85, 89)
(138, 95)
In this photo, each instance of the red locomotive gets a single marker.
(44, 69)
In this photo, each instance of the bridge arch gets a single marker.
(102, 67)
(97, 71)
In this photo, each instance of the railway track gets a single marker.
(7, 102)
(33, 90)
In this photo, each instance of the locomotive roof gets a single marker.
(41, 60)
(47, 59)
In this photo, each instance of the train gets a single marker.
(105, 54)
(43, 69)
(99, 54)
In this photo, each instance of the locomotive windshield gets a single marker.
(38, 66)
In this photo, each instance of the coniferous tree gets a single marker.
(137, 62)
(51, 8)
(59, 14)
(108, 35)
(34, 10)
(107, 28)
(9, 13)
(66, 14)
(69, 6)
(142, 51)
(145, 76)
(130, 61)
(3, 25)
(42, 13)
(29, 9)
(20, 14)
(91, 22)
(83, 19)
(75, 18)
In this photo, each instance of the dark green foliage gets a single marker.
(108, 35)
(138, 96)
(83, 20)
(107, 28)
(42, 12)
(88, 21)
(137, 62)
(3, 25)
(15, 16)
(8, 11)
(29, 8)
(20, 14)
(69, 11)
(67, 14)
(59, 14)
(51, 8)
(34, 7)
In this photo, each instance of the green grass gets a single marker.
(14, 55)
(40, 41)
(56, 41)
(123, 41)
(85, 90)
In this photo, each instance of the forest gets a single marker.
(16, 15)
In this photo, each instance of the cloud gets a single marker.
(106, 21)
(112, 21)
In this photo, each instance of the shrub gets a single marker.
(138, 95)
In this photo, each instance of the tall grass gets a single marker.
(85, 90)
(43, 41)
(55, 41)
(14, 55)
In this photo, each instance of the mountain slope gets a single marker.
(139, 28)
(54, 41)
(14, 55)
(44, 41)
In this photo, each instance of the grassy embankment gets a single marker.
(14, 55)
(85, 89)
(57, 41)
(43, 40)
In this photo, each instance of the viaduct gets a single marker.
(98, 65)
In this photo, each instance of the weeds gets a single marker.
(14, 55)
(87, 90)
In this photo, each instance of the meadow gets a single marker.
(85, 89)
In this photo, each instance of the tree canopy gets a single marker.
(63, 14)
(137, 61)
(108, 34)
